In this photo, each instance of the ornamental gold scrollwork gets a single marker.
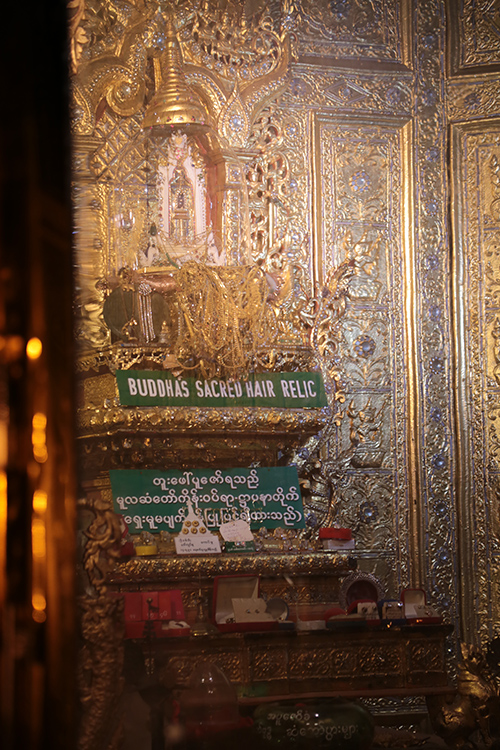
(77, 34)
(100, 671)
(426, 657)
(479, 353)
(237, 63)
(176, 568)
(476, 98)
(102, 537)
(475, 29)
(270, 664)
(314, 662)
(343, 662)
(354, 29)
(378, 660)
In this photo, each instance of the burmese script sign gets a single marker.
(282, 389)
(156, 501)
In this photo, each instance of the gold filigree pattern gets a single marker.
(312, 661)
(431, 404)
(477, 151)
(348, 91)
(289, 665)
(102, 536)
(354, 29)
(475, 34)
(359, 199)
(270, 665)
(473, 99)
(176, 568)
(100, 672)
(428, 659)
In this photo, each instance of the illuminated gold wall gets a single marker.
(376, 141)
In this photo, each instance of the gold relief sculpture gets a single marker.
(472, 97)
(348, 90)
(378, 659)
(431, 409)
(343, 662)
(77, 34)
(472, 712)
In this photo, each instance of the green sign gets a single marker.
(155, 501)
(291, 390)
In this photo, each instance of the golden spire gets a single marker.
(174, 104)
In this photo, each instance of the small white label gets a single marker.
(207, 544)
(236, 531)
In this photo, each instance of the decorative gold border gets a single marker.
(175, 568)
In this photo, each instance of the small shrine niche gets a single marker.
(178, 194)
(170, 204)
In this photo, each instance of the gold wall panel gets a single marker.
(432, 420)
(476, 224)
(349, 160)
(359, 169)
(355, 30)
(474, 35)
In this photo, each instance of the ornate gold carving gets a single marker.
(102, 536)
(313, 662)
(100, 672)
(426, 657)
(387, 451)
(270, 664)
(176, 568)
(475, 39)
(472, 97)
(378, 659)
(173, 419)
(475, 705)
(348, 91)
(310, 662)
(353, 29)
(77, 34)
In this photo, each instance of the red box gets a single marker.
(416, 609)
(150, 609)
(164, 605)
(177, 607)
(134, 629)
(132, 606)
(333, 533)
(227, 588)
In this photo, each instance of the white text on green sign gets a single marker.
(279, 389)
(156, 501)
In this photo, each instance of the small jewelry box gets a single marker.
(416, 609)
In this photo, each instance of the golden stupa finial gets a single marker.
(174, 104)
